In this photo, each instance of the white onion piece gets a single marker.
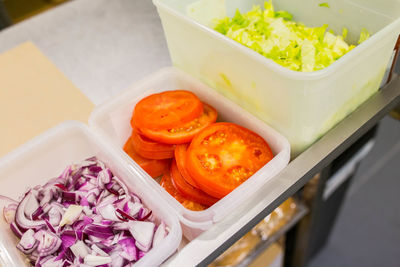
(93, 260)
(47, 196)
(117, 260)
(71, 215)
(31, 206)
(87, 211)
(143, 233)
(80, 249)
(28, 242)
(52, 263)
(159, 235)
(98, 251)
(55, 216)
(108, 212)
(104, 177)
(134, 208)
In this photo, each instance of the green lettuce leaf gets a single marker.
(276, 36)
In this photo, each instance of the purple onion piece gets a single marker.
(28, 243)
(146, 216)
(95, 169)
(129, 250)
(37, 213)
(50, 227)
(20, 217)
(48, 242)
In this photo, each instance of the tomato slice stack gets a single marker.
(154, 167)
(176, 135)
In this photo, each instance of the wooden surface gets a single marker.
(34, 96)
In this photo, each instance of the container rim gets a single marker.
(272, 65)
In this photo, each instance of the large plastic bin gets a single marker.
(302, 106)
(112, 121)
(46, 156)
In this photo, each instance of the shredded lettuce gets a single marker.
(291, 44)
(364, 35)
(324, 5)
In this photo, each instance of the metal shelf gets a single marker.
(302, 210)
(209, 245)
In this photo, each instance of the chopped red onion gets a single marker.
(80, 249)
(84, 217)
(48, 242)
(28, 242)
(143, 233)
(93, 260)
(129, 250)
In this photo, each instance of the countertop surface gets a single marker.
(102, 46)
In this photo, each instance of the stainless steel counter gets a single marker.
(103, 46)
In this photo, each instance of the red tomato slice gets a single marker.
(167, 184)
(189, 191)
(224, 155)
(182, 133)
(180, 157)
(166, 109)
(154, 167)
(150, 149)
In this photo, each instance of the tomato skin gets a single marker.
(189, 191)
(166, 109)
(150, 149)
(154, 167)
(224, 155)
(166, 183)
(183, 133)
(180, 157)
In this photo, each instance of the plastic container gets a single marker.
(112, 121)
(302, 106)
(47, 156)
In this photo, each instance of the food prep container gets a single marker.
(112, 121)
(47, 155)
(302, 106)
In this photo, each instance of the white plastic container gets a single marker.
(47, 156)
(302, 106)
(112, 121)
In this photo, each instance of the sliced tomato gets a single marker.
(150, 149)
(154, 167)
(166, 109)
(189, 191)
(167, 184)
(224, 155)
(180, 157)
(183, 133)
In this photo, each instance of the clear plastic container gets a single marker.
(47, 156)
(112, 121)
(302, 106)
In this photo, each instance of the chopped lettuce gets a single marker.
(291, 44)
(324, 5)
(364, 35)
